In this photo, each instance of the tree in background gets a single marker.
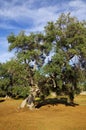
(13, 79)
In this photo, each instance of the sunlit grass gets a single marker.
(80, 99)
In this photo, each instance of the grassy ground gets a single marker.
(47, 117)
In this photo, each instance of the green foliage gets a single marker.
(66, 38)
(2, 93)
(20, 91)
(69, 37)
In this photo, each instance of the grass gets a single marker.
(81, 99)
(47, 117)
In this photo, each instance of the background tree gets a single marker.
(14, 79)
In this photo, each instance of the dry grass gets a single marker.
(48, 117)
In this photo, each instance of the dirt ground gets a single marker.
(48, 117)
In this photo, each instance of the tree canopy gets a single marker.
(33, 64)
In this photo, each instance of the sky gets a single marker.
(32, 16)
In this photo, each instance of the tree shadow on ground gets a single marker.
(54, 101)
(2, 100)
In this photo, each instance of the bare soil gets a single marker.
(47, 117)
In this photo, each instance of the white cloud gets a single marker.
(5, 57)
(3, 42)
(24, 13)
(4, 54)
(77, 4)
(46, 14)
(78, 9)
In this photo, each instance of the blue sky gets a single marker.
(32, 16)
